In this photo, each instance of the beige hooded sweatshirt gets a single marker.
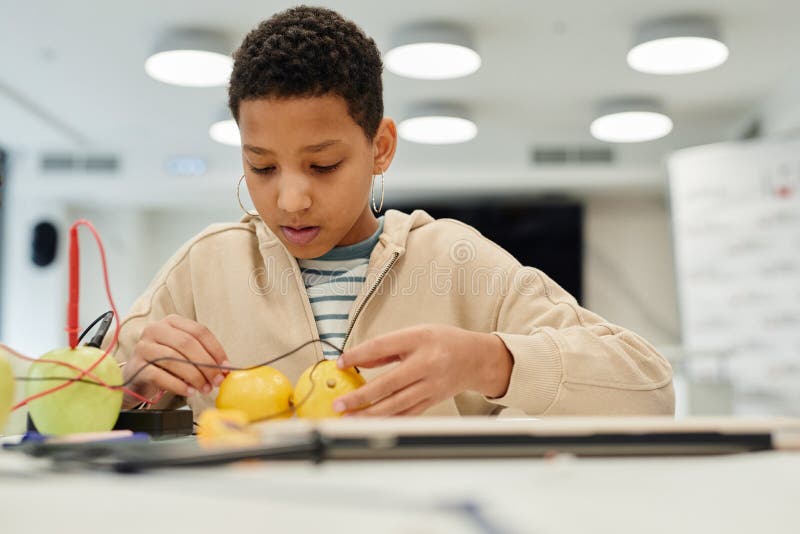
(242, 283)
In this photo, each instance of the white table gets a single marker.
(748, 493)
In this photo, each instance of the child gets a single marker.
(439, 319)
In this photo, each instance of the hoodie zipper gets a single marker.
(372, 290)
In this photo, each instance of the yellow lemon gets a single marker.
(225, 428)
(320, 385)
(261, 393)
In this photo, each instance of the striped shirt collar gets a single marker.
(362, 249)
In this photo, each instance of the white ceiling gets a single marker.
(545, 65)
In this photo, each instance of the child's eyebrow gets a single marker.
(319, 147)
(257, 149)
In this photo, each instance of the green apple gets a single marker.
(79, 407)
(6, 390)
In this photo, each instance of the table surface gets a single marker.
(754, 492)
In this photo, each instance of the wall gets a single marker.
(629, 275)
(779, 112)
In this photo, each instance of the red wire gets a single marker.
(72, 322)
(74, 287)
(79, 369)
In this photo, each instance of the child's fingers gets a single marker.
(161, 379)
(417, 408)
(394, 343)
(398, 402)
(164, 380)
(177, 365)
(203, 335)
(191, 349)
(380, 362)
(377, 389)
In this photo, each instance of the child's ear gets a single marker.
(384, 145)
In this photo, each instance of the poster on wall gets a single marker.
(736, 228)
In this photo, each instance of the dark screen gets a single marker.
(544, 234)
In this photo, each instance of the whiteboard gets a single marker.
(736, 230)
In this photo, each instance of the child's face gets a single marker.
(309, 165)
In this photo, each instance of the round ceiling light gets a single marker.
(432, 51)
(630, 121)
(679, 45)
(191, 58)
(225, 131)
(438, 124)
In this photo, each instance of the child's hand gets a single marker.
(436, 362)
(177, 337)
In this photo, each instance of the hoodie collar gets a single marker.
(396, 228)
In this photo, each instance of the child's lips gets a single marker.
(300, 236)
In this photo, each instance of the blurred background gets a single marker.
(644, 153)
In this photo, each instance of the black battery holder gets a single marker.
(156, 423)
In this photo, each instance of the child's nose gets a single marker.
(294, 194)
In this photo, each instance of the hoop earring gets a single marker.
(377, 209)
(239, 199)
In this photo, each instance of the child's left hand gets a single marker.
(436, 362)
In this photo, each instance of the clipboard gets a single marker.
(472, 437)
(478, 437)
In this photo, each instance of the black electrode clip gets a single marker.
(102, 330)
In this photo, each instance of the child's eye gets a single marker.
(324, 169)
(262, 170)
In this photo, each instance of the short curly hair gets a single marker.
(310, 51)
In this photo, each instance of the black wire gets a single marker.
(130, 379)
(60, 378)
(179, 360)
(226, 367)
(88, 328)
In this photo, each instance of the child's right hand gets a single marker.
(176, 337)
